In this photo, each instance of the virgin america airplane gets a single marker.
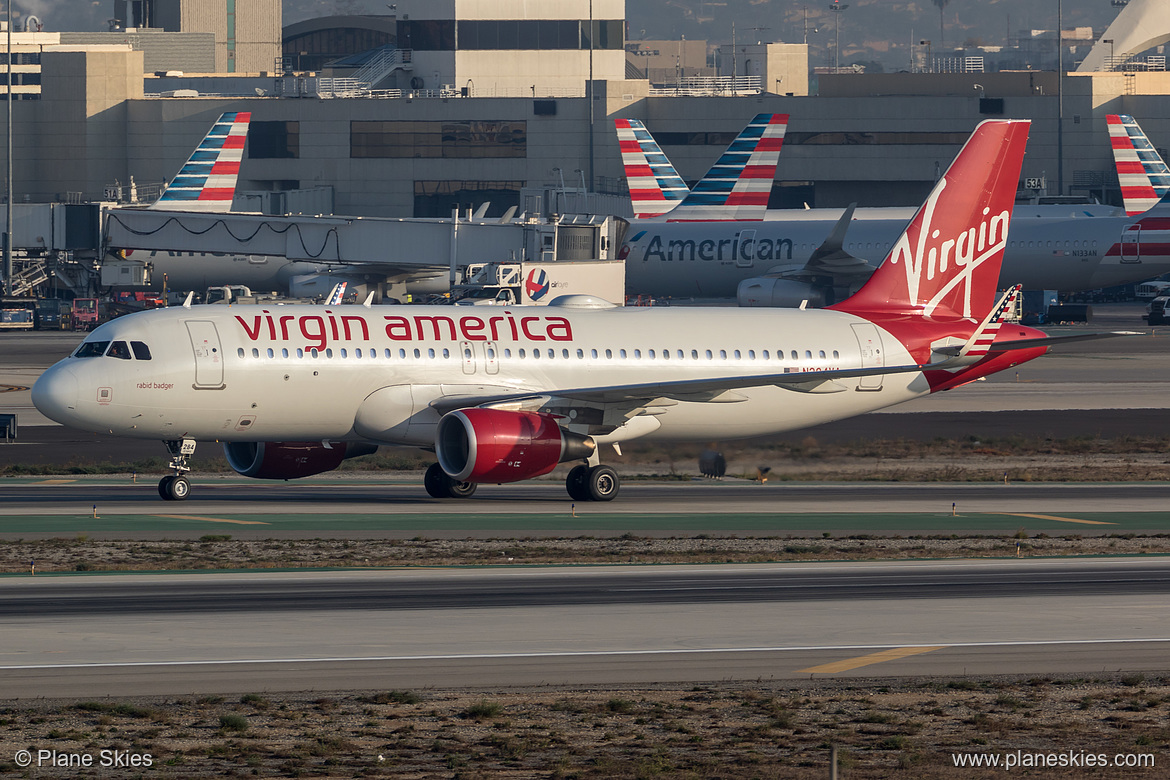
(505, 396)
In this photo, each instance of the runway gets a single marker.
(183, 634)
(372, 508)
(85, 635)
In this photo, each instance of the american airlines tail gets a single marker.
(945, 266)
(207, 182)
(655, 186)
(1143, 175)
(738, 184)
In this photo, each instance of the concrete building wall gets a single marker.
(162, 50)
(93, 127)
(79, 134)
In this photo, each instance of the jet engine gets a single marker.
(290, 459)
(784, 293)
(494, 445)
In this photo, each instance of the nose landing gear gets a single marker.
(176, 487)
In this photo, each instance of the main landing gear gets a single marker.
(592, 483)
(176, 487)
(439, 484)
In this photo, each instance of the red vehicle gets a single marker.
(85, 313)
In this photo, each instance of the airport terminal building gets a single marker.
(466, 101)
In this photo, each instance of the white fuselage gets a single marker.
(304, 373)
(709, 259)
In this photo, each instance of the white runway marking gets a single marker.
(578, 654)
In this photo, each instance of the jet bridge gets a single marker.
(393, 247)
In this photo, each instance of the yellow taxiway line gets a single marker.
(1054, 517)
(213, 519)
(848, 664)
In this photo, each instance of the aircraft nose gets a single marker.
(55, 394)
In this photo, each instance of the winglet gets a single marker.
(207, 182)
(1142, 173)
(337, 294)
(655, 186)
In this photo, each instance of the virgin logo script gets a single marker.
(925, 254)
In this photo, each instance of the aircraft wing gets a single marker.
(722, 389)
(832, 259)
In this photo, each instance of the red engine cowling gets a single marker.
(289, 459)
(492, 445)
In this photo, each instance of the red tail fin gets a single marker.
(946, 264)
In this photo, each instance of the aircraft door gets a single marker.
(1131, 244)
(467, 354)
(208, 355)
(745, 257)
(870, 342)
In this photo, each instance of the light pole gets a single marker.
(1059, 100)
(8, 200)
(837, 8)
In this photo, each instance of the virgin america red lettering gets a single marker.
(320, 330)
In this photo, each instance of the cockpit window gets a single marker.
(91, 349)
(141, 351)
(120, 350)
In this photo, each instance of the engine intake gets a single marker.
(493, 445)
(290, 459)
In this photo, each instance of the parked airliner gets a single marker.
(789, 257)
(505, 396)
(207, 183)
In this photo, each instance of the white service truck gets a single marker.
(535, 284)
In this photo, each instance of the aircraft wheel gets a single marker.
(164, 487)
(462, 489)
(179, 488)
(440, 485)
(577, 483)
(602, 483)
(436, 482)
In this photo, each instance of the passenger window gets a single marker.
(270, 352)
(284, 352)
(622, 352)
(141, 351)
(240, 352)
(822, 354)
(637, 354)
(344, 353)
(255, 352)
(119, 350)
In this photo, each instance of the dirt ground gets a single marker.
(881, 729)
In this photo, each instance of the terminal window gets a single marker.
(274, 140)
(452, 140)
